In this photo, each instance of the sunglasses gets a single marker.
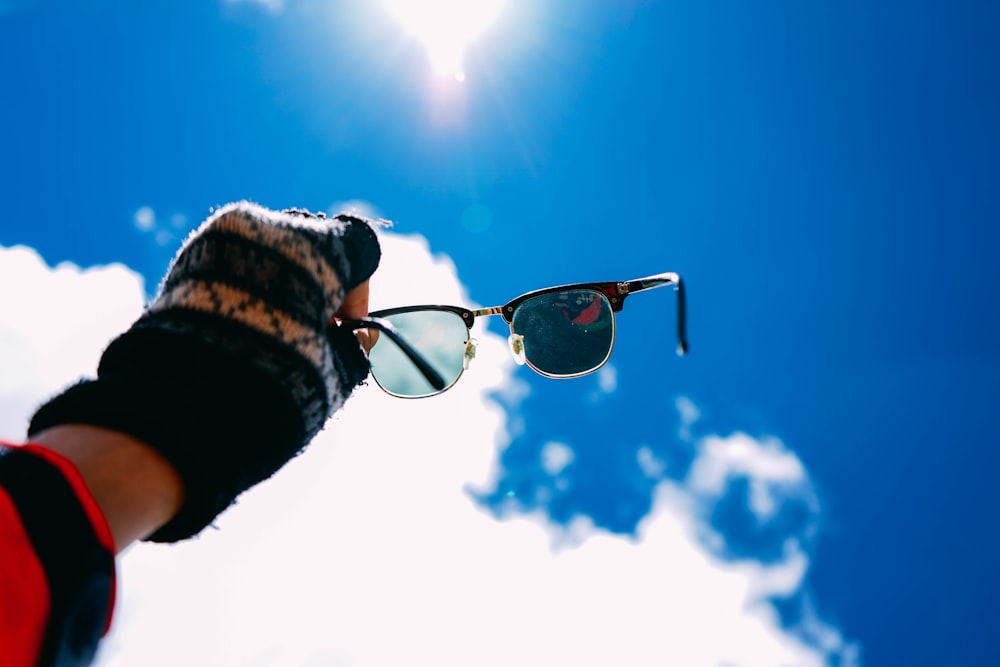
(559, 332)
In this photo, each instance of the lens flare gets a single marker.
(446, 28)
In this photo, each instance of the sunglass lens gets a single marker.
(566, 333)
(440, 336)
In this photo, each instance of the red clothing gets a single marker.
(57, 578)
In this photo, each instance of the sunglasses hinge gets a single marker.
(622, 288)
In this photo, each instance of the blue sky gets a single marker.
(824, 176)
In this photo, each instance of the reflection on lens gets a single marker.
(566, 333)
(440, 336)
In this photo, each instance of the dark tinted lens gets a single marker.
(440, 336)
(566, 333)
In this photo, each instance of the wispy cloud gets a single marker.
(144, 219)
(606, 381)
(773, 473)
(273, 6)
(166, 231)
(689, 414)
(555, 457)
(369, 550)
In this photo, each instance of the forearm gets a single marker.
(57, 546)
(134, 486)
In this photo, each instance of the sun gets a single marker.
(446, 27)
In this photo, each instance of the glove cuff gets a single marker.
(224, 430)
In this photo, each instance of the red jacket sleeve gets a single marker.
(57, 579)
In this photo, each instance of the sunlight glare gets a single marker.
(446, 27)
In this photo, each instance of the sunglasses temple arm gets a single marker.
(418, 360)
(660, 280)
(682, 343)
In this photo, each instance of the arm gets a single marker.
(229, 372)
(135, 487)
(66, 500)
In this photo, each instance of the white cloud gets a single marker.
(773, 472)
(555, 457)
(54, 324)
(689, 414)
(651, 465)
(607, 378)
(145, 218)
(163, 233)
(368, 550)
(164, 238)
(178, 221)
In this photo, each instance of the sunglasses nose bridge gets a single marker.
(516, 343)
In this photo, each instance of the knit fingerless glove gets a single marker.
(232, 368)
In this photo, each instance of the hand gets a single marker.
(232, 368)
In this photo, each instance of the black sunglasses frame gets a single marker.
(615, 292)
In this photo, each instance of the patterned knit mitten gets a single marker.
(232, 368)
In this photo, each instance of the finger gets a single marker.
(367, 338)
(355, 303)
